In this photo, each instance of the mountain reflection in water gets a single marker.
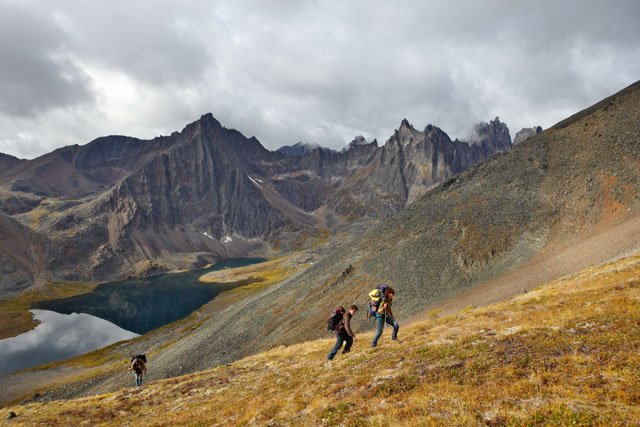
(58, 337)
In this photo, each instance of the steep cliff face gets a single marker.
(187, 198)
(411, 162)
(20, 256)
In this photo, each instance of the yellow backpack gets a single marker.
(375, 297)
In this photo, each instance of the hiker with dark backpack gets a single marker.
(384, 314)
(340, 322)
(139, 367)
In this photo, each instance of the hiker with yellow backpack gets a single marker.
(380, 303)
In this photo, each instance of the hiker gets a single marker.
(139, 367)
(384, 314)
(344, 332)
(376, 296)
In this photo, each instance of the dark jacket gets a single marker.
(345, 326)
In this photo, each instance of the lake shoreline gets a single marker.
(15, 318)
(58, 337)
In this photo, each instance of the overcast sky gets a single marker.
(316, 71)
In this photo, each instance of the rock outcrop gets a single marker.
(526, 133)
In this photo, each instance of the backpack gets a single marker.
(142, 357)
(335, 319)
(375, 297)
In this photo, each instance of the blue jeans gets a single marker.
(138, 378)
(341, 337)
(380, 320)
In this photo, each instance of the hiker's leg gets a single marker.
(380, 325)
(396, 327)
(347, 347)
(336, 347)
(138, 379)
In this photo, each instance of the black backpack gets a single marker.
(139, 356)
(335, 319)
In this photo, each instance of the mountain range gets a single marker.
(121, 206)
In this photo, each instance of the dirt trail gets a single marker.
(556, 260)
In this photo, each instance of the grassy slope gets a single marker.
(566, 353)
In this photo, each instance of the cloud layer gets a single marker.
(286, 71)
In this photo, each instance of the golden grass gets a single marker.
(14, 312)
(268, 271)
(256, 276)
(565, 354)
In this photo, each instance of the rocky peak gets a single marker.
(209, 120)
(495, 134)
(299, 149)
(360, 141)
(405, 134)
(405, 125)
(206, 121)
(526, 133)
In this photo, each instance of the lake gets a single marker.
(58, 337)
(111, 312)
(140, 305)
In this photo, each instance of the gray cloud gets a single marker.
(315, 71)
(36, 72)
